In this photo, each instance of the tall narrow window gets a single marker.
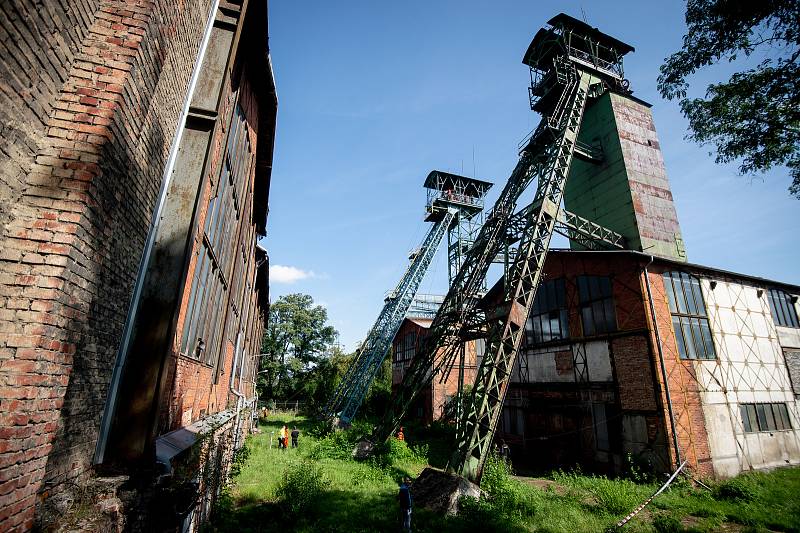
(689, 319)
(597, 305)
(405, 348)
(782, 308)
(203, 326)
(548, 320)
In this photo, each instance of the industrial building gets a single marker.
(135, 168)
(631, 354)
(643, 359)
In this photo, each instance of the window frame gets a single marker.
(551, 298)
(406, 345)
(690, 325)
(216, 256)
(757, 417)
(593, 298)
(782, 309)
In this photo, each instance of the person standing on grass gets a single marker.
(285, 436)
(406, 503)
(505, 451)
(295, 436)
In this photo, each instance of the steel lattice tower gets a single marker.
(570, 63)
(453, 201)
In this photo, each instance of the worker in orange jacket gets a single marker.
(284, 436)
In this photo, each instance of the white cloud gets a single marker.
(288, 274)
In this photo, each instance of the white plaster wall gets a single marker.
(598, 360)
(542, 366)
(749, 368)
(542, 363)
(788, 337)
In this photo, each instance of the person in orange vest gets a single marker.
(400, 435)
(284, 436)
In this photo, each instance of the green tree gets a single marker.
(320, 382)
(297, 340)
(755, 116)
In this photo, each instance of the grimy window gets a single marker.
(404, 348)
(548, 320)
(597, 305)
(782, 308)
(764, 417)
(689, 318)
(202, 328)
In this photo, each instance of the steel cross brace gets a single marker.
(459, 316)
(440, 346)
(589, 234)
(349, 395)
(506, 328)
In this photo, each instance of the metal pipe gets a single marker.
(661, 362)
(122, 352)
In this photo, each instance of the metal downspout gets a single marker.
(661, 363)
(122, 352)
(240, 398)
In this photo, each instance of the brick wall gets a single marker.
(84, 144)
(632, 365)
(30, 81)
(684, 389)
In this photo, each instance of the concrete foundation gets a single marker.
(440, 491)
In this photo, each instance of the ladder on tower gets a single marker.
(546, 159)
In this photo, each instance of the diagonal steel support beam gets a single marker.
(575, 227)
(350, 392)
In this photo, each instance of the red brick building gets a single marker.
(630, 355)
(135, 165)
(436, 400)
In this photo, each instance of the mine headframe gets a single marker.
(452, 199)
(571, 42)
(571, 62)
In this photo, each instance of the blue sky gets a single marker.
(374, 95)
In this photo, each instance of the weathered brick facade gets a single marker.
(434, 400)
(592, 399)
(683, 386)
(91, 94)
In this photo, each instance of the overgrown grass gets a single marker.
(319, 487)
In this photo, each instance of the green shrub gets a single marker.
(480, 513)
(736, 489)
(395, 451)
(320, 429)
(240, 457)
(300, 487)
(616, 496)
(639, 469)
(337, 445)
(496, 474)
(506, 495)
(368, 473)
(664, 523)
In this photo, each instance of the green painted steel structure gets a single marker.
(571, 63)
(453, 203)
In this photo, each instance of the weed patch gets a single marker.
(319, 487)
(736, 490)
(300, 487)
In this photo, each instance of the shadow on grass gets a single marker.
(334, 510)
